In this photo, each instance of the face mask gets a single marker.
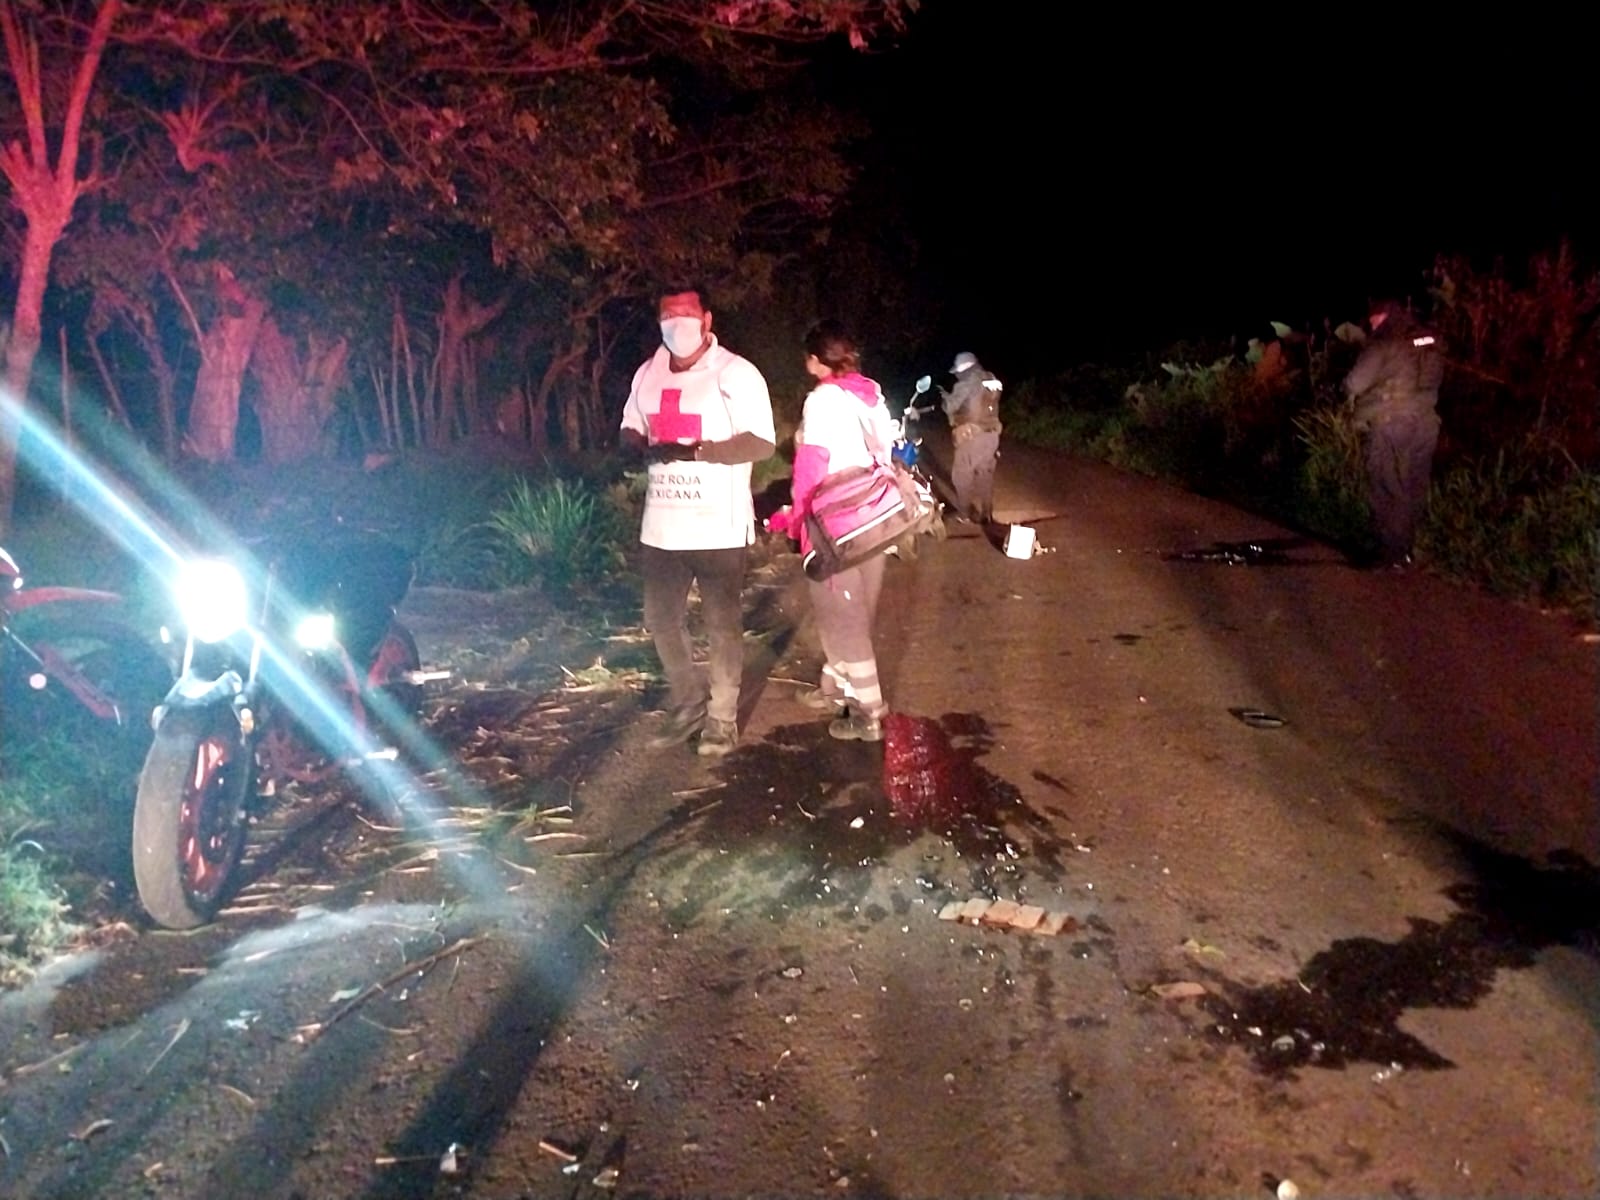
(682, 335)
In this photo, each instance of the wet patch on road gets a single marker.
(806, 822)
(1345, 1006)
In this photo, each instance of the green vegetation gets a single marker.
(50, 796)
(564, 535)
(1515, 502)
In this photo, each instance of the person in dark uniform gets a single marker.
(973, 408)
(1393, 391)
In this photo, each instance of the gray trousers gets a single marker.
(1399, 452)
(667, 576)
(972, 473)
(846, 606)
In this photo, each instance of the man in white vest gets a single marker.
(701, 415)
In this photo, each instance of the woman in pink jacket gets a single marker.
(846, 424)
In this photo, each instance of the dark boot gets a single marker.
(681, 725)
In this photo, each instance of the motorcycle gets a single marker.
(292, 672)
(907, 440)
(73, 664)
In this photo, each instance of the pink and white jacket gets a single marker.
(846, 424)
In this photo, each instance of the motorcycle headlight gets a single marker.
(315, 632)
(211, 597)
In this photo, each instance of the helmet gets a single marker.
(964, 361)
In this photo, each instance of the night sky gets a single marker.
(1082, 194)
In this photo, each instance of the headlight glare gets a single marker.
(211, 597)
(315, 632)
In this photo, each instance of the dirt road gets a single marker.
(732, 979)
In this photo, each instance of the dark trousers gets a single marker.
(720, 574)
(1399, 453)
(972, 473)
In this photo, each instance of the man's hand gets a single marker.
(665, 452)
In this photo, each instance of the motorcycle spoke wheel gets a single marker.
(189, 820)
(208, 820)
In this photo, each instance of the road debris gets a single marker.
(307, 1034)
(1195, 946)
(1181, 990)
(555, 1151)
(1258, 719)
(792, 972)
(1008, 914)
(607, 1178)
(449, 1161)
(246, 1018)
(248, 1099)
(1287, 1190)
(92, 1128)
(1257, 553)
(59, 1060)
(183, 1028)
(1387, 1073)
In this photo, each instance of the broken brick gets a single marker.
(1027, 917)
(1055, 923)
(974, 908)
(1001, 912)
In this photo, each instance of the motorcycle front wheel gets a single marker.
(189, 821)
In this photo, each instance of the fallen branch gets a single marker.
(183, 1028)
(92, 1128)
(310, 1033)
(45, 1062)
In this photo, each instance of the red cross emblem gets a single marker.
(671, 423)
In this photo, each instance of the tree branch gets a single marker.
(67, 176)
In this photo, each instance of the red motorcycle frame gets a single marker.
(77, 642)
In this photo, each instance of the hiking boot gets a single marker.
(717, 738)
(681, 725)
(857, 727)
(815, 697)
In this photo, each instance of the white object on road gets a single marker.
(1019, 541)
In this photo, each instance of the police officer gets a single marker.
(973, 408)
(1393, 391)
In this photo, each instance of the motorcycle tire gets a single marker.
(189, 819)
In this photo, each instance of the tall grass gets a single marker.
(1523, 522)
(1329, 492)
(565, 535)
(49, 795)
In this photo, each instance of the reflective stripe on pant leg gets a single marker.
(834, 681)
(841, 605)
